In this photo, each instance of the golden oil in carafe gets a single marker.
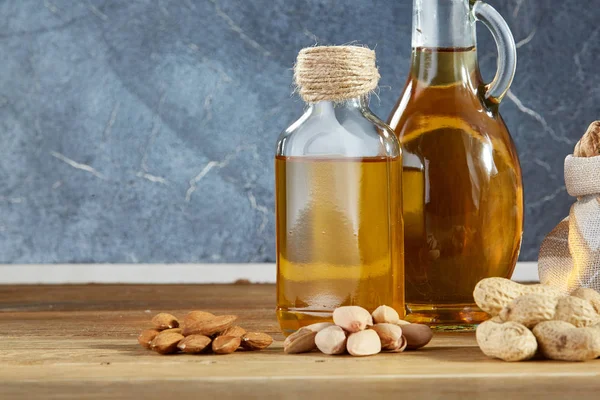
(462, 194)
(339, 239)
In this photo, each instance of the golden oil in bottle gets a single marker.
(339, 236)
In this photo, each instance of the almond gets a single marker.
(385, 314)
(236, 331)
(209, 327)
(226, 344)
(390, 335)
(416, 335)
(194, 344)
(166, 342)
(301, 341)
(194, 316)
(352, 318)
(165, 321)
(256, 341)
(363, 343)
(146, 337)
(175, 330)
(331, 340)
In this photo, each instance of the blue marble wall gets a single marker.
(144, 131)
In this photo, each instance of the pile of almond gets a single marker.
(200, 332)
(359, 333)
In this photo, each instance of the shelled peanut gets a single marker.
(200, 332)
(532, 319)
(356, 331)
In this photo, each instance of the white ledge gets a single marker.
(166, 273)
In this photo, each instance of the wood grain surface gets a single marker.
(76, 342)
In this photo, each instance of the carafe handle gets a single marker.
(507, 50)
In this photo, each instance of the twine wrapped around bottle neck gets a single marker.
(335, 73)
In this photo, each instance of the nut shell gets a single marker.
(590, 295)
(508, 341)
(530, 309)
(576, 311)
(560, 340)
(493, 294)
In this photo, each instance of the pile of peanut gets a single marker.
(531, 319)
(200, 332)
(359, 333)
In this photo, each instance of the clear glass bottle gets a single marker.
(462, 189)
(338, 209)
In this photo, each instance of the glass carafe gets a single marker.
(462, 185)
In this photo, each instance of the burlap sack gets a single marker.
(570, 255)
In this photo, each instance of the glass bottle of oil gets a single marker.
(338, 208)
(462, 190)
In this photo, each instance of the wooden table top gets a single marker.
(74, 342)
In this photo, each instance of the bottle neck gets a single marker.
(443, 24)
(443, 43)
(357, 103)
(444, 67)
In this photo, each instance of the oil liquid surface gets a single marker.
(339, 237)
(462, 191)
